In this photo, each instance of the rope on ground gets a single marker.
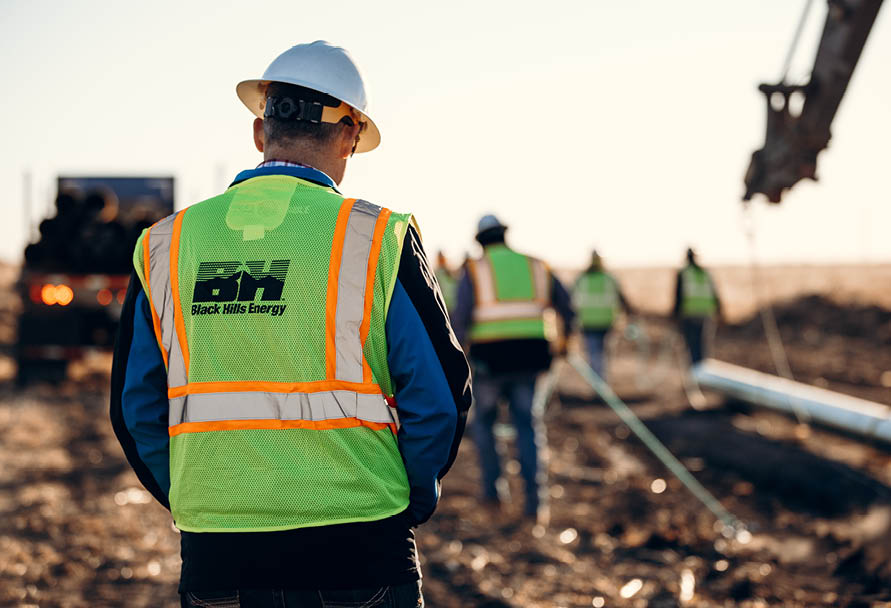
(733, 527)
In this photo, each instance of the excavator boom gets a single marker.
(793, 141)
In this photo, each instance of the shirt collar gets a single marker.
(283, 167)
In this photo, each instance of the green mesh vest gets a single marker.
(269, 304)
(697, 294)
(512, 294)
(596, 299)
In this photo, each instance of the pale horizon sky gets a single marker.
(626, 126)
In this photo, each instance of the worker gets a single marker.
(598, 299)
(447, 281)
(504, 319)
(285, 379)
(696, 305)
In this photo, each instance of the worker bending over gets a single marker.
(296, 447)
(696, 306)
(504, 318)
(598, 300)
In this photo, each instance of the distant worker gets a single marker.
(447, 281)
(598, 300)
(696, 304)
(285, 380)
(503, 319)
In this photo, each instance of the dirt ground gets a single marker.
(76, 529)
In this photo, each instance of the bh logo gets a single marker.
(240, 281)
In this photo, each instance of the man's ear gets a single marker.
(348, 136)
(259, 135)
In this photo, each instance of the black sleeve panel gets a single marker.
(420, 284)
(118, 373)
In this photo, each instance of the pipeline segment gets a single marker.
(857, 416)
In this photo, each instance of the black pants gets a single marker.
(399, 596)
(694, 336)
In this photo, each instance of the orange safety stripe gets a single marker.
(380, 227)
(343, 217)
(275, 424)
(320, 386)
(178, 321)
(146, 272)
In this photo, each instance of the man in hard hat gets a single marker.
(598, 299)
(696, 305)
(285, 378)
(447, 282)
(504, 319)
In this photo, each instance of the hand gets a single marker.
(559, 347)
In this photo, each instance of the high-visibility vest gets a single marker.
(269, 305)
(449, 287)
(596, 299)
(697, 294)
(512, 296)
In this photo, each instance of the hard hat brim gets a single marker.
(252, 94)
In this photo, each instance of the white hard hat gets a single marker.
(319, 66)
(488, 222)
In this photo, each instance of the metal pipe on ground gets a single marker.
(858, 416)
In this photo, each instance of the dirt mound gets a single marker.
(815, 315)
(805, 481)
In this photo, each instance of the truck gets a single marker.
(74, 277)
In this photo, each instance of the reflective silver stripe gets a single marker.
(540, 280)
(351, 290)
(502, 311)
(330, 405)
(484, 285)
(160, 236)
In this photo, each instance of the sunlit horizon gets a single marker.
(626, 127)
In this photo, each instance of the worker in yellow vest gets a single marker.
(598, 300)
(696, 305)
(504, 318)
(286, 380)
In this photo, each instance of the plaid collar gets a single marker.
(282, 167)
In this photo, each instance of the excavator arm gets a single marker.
(793, 141)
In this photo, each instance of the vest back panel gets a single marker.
(512, 297)
(513, 274)
(596, 299)
(254, 305)
(698, 295)
(283, 290)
